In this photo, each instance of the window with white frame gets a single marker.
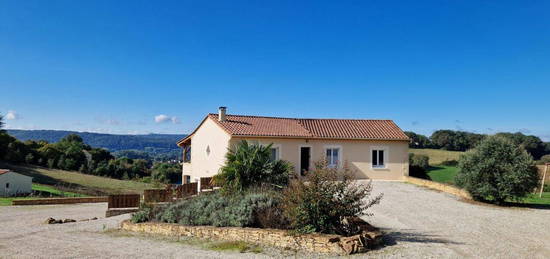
(379, 158)
(333, 156)
(274, 153)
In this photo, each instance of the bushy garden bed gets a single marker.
(257, 192)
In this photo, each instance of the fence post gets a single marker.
(543, 179)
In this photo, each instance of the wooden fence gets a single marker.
(207, 183)
(157, 195)
(123, 201)
(49, 201)
(186, 190)
(171, 193)
(541, 174)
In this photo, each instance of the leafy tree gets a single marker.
(29, 159)
(455, 140)
(418, 140)
(166, 173)
(72, 138)
(418, 166)
(545, 159)
(532, 144)
(16, 152)
(497, 170)
(49, 152)
(251, 165)
(1, 123)
(5, 141)
(51, 163)
(140, 168)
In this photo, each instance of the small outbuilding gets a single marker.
(14, 184)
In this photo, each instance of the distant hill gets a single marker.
(151, 143)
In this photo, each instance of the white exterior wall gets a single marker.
(18, 184)
(208, 135)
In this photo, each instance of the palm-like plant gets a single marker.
(251, 166)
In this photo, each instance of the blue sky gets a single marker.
(115, 66)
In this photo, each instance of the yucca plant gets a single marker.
(251, 166)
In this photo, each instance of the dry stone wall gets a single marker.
(318, 243)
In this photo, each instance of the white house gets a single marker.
(12, 183)
(375, 149)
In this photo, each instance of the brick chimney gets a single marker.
(221, 113)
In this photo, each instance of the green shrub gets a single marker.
(324, 198)
(141, 216)
(144, 214)
(418, 166)
(544, 159)
(219, 210)
(251, 166)
(449, 163)
(497, 170)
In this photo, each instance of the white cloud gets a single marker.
(162, 118)
(12, 115)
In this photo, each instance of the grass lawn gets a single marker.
(437, 156)
(55, 192)
(443, 174)
(75, 182)
(45, 189)
(534, 199)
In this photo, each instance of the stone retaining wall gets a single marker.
(49, 201)
(318, 243)
(439, 186)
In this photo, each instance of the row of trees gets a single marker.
(71, 153)
(462, 141)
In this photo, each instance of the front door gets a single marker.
(305, 153)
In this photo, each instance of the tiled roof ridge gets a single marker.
(298, 119)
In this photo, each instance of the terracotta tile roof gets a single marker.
(3, 171)
(241, 125)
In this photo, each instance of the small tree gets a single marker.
(251, 165)
(323, 200)
(497, 170)
(419, 165)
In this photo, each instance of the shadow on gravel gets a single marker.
(395, 237)
(530, 206)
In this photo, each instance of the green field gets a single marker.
(54, 192)
(437, 156)
(443, 174)
(74, 182)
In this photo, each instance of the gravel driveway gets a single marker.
(421, 224)
(425, 223)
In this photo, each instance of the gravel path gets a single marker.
(24, 235)
(428, 224)
(421, 224)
